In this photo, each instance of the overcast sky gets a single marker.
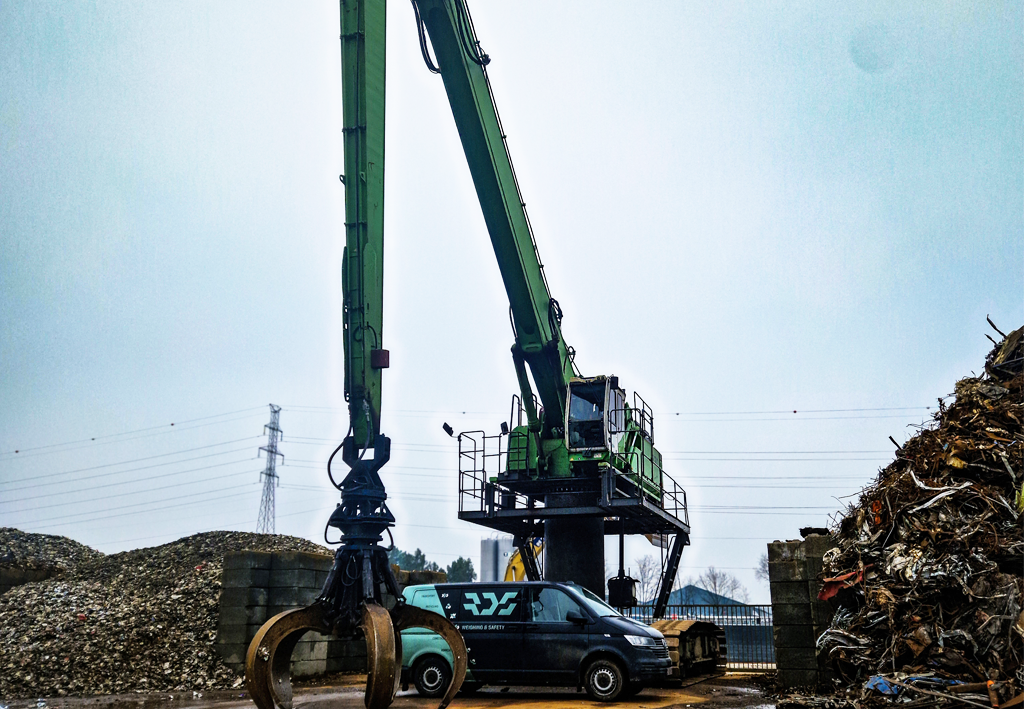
(782, 223)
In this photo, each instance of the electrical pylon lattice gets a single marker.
(265, 525)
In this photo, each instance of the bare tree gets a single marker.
(761, 570)
(722, 583)
(648, 573)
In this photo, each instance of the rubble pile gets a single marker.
(22, 550)
(141, 620)
(926, 577)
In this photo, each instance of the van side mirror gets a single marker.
(575, 617)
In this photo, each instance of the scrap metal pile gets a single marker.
(21, 550)
(140, 620)
(926, 577)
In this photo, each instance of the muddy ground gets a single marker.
(731, 691)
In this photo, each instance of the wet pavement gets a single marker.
(731, 691)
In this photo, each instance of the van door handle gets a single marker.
(531, 626)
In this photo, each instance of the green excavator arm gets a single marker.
(363, 73)
(535, 314)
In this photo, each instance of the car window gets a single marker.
(550, 605)
(481, 603)
(427, 599)
(596, 604)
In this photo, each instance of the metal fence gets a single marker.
(749, 640)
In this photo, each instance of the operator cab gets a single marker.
(595, 414)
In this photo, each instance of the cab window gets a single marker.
(586, 416)
(550, 605)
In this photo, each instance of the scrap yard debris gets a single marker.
(926, 577)
(141, 620)
(41, 551)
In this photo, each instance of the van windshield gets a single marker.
(595, 604)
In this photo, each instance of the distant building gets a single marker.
(494, 555)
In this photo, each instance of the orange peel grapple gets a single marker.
(360, 599)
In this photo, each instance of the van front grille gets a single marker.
(661, 649)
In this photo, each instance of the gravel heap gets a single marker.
(927, 573)
(23, 550)
(142, 620)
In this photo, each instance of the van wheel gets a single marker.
(431, 676)
(604, 680)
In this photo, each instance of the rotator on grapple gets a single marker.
(360, 597)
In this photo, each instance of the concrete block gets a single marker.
(796, 658)
(794, 636)
(797, 678)
(247, 560)
(308, 668)
(243, 597)
(286, 560)
(784, 571)
(346, 648)
(237, 634)
(785, 551)
(243, 615)
(790, 592)
(791, 614)
(293, 578)
(315, 649)
(346, 664)
(232, 654)
(292, 597)
(245, 578)
(815, 545)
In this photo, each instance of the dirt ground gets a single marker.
(730, 691)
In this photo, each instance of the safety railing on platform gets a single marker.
(749, 638)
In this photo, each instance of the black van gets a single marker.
(533, 633)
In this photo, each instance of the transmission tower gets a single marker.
(265, 525)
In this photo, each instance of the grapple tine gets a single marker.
(268, 659)
(381, 659)
(406, 616)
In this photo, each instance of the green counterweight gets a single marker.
(363, 75)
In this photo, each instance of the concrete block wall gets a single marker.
(256, 586)
(799, 617)
(12, 576)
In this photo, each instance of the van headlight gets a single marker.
(640, 640)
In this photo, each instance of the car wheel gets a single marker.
(431, 676)
(604, 680)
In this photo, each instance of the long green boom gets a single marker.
(535, 314)
(363, 73)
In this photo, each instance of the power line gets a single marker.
(120, 494)
(121, 440)
(137, 430)
(126, 462)
(155, 509)
(133, 470)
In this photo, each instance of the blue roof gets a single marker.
(695, 596)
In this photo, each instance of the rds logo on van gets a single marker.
(505, 606)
